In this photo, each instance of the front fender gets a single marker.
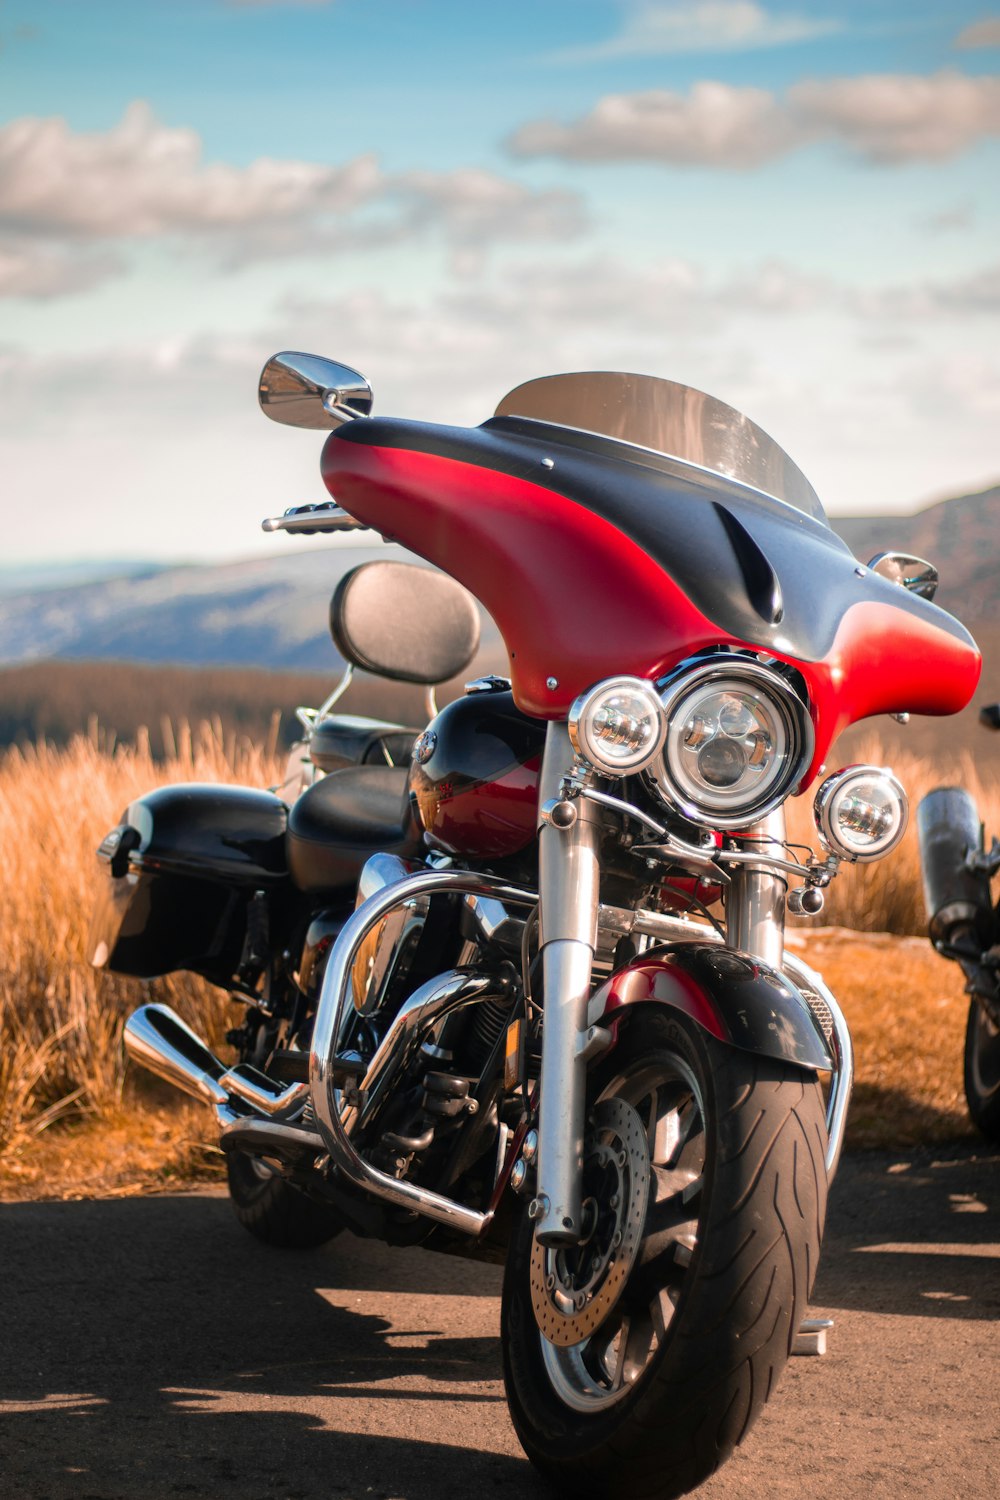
(733, 996)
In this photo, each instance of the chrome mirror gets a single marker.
(910, 572)
(305, 390)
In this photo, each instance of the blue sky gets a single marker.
(793, 206)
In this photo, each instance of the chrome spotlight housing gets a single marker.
(861, 813)
(738, 740)
(618, 726)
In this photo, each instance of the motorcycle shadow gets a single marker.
(915, 1232)
(153, 1349)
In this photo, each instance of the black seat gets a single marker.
(338, 823)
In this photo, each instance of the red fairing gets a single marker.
(574, 598)
(886, 661)
(577, 600)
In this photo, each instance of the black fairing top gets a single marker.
(762, 570)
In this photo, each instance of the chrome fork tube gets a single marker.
(755, 898)
(568, 888)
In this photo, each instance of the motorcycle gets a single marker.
(527, 997)
(964, 925)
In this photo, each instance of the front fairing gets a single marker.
(596, 557)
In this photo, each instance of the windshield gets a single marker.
(672, 419)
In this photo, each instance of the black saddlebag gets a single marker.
(179, 873)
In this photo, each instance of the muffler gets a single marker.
(956, 892)
(158, 1040)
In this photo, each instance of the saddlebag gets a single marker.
(180, 872)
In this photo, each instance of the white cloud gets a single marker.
(40, 270)
(984, 33)
(142, 180)
(885, 119)
(975, 295)
(893, 118)
(716, 125)
(177, 421)
(658, 28)
(957, 216)
(477, 207)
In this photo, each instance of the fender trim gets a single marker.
(731, 995)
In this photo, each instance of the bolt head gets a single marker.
(551, 683)
(529, 1148)
(519, 1176)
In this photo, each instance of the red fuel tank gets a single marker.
(474, 777)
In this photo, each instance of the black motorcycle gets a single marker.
(964, 925)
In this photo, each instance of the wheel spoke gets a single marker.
(633, 1349)
(690, 1129)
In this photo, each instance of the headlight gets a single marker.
(861, 812)
(738, 738)
(618, 726)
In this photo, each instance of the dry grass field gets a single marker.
(73, 1123)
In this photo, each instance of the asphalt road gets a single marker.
(150, 1348)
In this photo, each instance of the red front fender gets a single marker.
(731, 995)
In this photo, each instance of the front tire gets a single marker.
(982, 1071)
(273, 1211)
(644, 1385)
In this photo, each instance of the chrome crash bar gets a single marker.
(336, 1116)
(333, 1115)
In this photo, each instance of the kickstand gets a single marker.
(811, 1337)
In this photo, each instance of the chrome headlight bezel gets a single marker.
(721, 810)
(581, 725)
(830, 798)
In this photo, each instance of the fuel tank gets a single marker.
(474, 777)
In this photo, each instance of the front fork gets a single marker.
(569, 893)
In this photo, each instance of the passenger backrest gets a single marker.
(401, 621)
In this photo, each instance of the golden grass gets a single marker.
(61, 1021)
(71, 1123)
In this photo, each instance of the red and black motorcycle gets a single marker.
(527, 995)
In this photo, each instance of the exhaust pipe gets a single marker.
(158, 1040)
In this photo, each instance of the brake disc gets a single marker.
(574, 1288)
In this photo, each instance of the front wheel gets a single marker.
(982, 1070)
(636, 1362)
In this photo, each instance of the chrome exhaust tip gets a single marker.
(158, 1040)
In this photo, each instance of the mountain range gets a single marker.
(272, 612)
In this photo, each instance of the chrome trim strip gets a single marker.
(842, 1079)
(330, 1015)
